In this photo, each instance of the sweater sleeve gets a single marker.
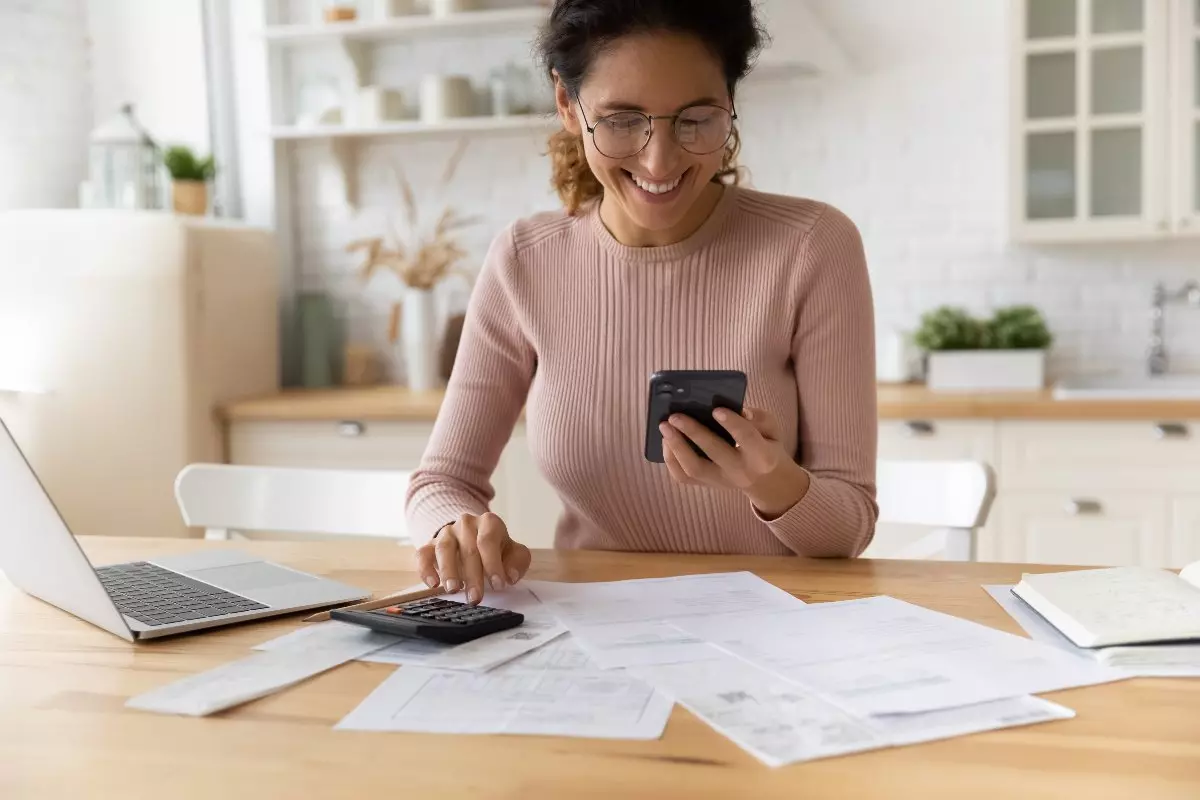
(493, 369)
(833, 352)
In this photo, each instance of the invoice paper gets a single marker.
(608, 705)
(627, 623)
(881, 655)
(779, 722)
(257, 675)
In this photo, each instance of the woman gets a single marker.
(658, 261)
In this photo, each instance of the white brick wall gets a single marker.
(45, 106)
(912, 145)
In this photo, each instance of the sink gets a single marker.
(1128, 387)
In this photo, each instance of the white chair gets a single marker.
(228, 498)
(952, 497)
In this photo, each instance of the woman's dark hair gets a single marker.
(578, 30)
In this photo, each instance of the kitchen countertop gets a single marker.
(896, 402)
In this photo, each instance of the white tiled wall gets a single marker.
(912, 145)
(45, 103)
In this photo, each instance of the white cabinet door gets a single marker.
(1185, 530)
(349, 444)
(1090, 120)
(921, 440)
(1186, 125)
(1104, 529)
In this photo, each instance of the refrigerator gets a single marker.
(121, 333)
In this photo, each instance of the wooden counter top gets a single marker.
(896, 402)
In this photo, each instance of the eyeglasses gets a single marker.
(700, 130)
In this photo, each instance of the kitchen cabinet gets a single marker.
(1103, 120)
(523, 497)
(1102, 492)
(1186, 123)
(1185, 529)
(1117, 528)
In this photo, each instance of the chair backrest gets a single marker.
(943, 494)
(288, 499)
(952, 497)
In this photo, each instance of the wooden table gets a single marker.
(65, 733)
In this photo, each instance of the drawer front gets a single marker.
(331, 445)
(937, 439)
(1090, 456)
(1101, 529)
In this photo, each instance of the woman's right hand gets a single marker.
(474, 552)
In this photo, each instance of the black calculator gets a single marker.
(434, 618)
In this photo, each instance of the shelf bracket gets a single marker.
(345, 153)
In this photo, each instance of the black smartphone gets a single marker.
(696, 393)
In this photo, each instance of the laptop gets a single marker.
(146, 599)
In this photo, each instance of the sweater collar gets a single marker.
(670, 252)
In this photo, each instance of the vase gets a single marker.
(419, 339)
(190, 197)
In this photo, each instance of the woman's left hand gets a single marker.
(758, 466)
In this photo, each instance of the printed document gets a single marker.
(627, 623)
(1140, 661)
(881, 655)
(607, 705)
(779, 722)
(257, 675)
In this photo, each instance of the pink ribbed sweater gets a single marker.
(569, 323)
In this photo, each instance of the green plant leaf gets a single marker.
(183, 165)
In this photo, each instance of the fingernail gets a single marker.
(665, 429)
(497, 582)
(513, 576)
(453, 585)
(473, 596)
(431, 581)
(721, 414)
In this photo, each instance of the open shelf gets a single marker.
(493, 22)
(462, 125)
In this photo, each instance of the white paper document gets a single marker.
(606, 705)
(881, 655)
(779, 722)
(1142, 661)
(562, 655)
(477, 655)
(627, 623)
(257, 675)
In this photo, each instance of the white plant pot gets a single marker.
(986, 370)
(418, 338)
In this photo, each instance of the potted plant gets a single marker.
(189, 179)
(1005, 352)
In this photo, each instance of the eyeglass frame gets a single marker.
(591, 129)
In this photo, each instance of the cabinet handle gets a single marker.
(351, 428)
(918, 427)
(1079, 507)
(1171, 430)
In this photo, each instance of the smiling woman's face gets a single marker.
(663, 188)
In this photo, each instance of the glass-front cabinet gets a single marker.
(1187, 116)
(1093, 119)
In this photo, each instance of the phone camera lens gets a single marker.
(680, 390)
(666, 388)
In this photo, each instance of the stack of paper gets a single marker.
(1139, 661)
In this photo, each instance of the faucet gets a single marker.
(1189, 293)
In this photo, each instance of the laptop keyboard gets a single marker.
(157, 596)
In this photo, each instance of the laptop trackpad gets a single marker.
(248, 577)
